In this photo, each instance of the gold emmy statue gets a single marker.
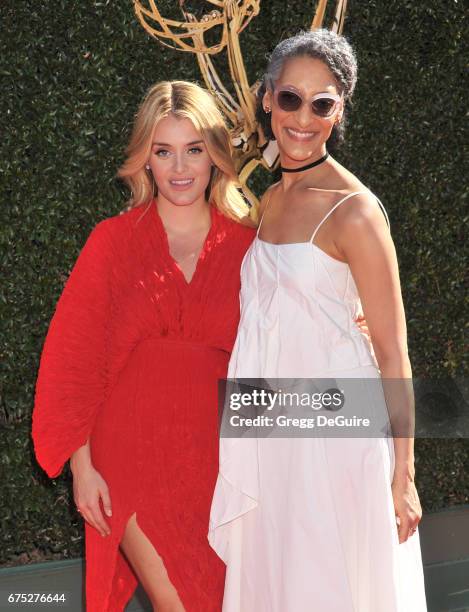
(251, 148)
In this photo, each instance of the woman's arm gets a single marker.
(81, 458)
(365, 241)
(72, 376)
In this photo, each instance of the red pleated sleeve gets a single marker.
(71, 382)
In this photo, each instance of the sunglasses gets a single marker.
(322, 104)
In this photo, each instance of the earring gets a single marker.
(147, 166)
(267, 109)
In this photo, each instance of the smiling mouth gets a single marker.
(182, 182)
(300, 135)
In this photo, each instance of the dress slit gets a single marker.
(124, 578)
(170, 561)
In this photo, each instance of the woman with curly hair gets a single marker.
(319, 523)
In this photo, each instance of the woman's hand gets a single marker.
(406, 506)
(88, 487)
(361, 322)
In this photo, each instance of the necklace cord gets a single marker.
(307, 166)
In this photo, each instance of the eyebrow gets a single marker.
(165, 144)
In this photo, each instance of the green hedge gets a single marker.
(72, 75)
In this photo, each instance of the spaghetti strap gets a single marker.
(343, 200)
(384, 211)
(265, 208)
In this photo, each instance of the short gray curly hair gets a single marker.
(332, 49)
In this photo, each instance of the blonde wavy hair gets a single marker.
(189, 101)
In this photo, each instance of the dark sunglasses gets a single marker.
(322, 104)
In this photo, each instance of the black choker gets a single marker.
(308, 166)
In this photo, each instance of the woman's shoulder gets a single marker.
(354, 200)
(258, 209)
(123, 223)
(267, 195)
(360, 207)
(350, 199)
(112, 237)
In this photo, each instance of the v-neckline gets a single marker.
(173, 263)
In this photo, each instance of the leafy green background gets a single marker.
(72, 74)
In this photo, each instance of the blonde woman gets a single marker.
(127, 384)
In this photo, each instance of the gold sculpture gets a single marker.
(231, 16)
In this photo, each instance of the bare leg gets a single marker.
(150, 569)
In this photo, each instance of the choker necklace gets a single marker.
(308, 166)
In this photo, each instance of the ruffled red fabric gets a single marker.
(132, 360)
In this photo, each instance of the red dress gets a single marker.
(131, 360)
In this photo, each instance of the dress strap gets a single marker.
(384, 211)
(263, 213)
(343, 200)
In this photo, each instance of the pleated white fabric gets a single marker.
(308, 524)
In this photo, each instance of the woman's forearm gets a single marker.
(396, 374)
(81, 458)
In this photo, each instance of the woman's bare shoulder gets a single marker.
(270, 189)
(266, 197)
(354, 199)
(361, 212)
(251, 220)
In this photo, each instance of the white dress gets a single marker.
(308, 524)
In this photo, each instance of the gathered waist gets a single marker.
(169, 359)
(179, 343)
